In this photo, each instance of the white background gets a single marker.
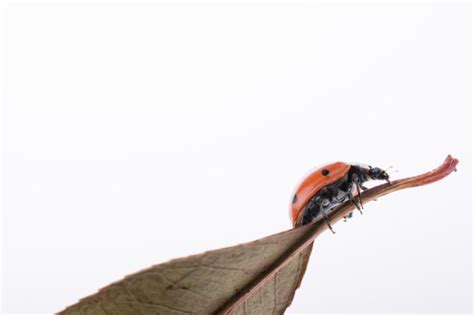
(138, 133)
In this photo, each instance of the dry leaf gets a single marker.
(259, 277)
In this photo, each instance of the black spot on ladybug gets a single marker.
(325, 172)
(295, 199)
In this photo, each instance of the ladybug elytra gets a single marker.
(328, 186)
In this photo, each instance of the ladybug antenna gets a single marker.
(391, 166)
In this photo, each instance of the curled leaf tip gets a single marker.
(446, 168)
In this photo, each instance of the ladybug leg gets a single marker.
(356, 180)
(324, 201)
(358, 194)
(363, 187)
(328, 223)
(351, 197)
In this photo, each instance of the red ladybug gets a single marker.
(329, 186)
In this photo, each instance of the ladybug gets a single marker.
(328, 186)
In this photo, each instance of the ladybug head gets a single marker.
(378, 174)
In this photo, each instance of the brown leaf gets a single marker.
(259, 277)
